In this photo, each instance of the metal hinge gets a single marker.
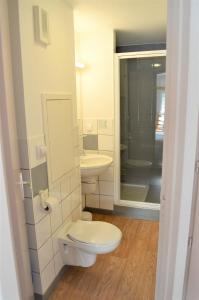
(190, 241)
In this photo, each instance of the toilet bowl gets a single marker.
(81, 241)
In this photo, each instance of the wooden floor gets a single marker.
(128, 273)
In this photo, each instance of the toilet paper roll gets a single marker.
(50, 204)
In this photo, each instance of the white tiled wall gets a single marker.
(42, 281)
(43, 227)
(90, 126)
(106, 142)
(106, 127)
(92, 201)
(103, 197)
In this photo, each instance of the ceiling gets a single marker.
(135, 21)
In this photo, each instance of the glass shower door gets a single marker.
(142, 108)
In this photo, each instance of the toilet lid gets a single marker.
(94, 232)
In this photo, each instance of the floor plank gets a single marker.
(127, 273)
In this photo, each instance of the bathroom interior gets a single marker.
(142, 110)
(90, 111)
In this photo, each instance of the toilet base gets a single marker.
(77, 257)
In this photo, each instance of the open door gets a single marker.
(12, 182)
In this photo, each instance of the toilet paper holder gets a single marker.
(48, 203)
(43, 198)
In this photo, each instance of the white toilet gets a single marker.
(81, 241)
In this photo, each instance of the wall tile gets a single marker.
(55, 237)
(47, 276)
(105, 126)
(32, 241)
(66, 207)
(39, 259)
(92, 201)
(38, 234)
(39, 213)
(55, 241)
(106, 202)
(55, 190)
(75, 178)
(90, 142)
(29, 214)
(106, 188)
(106, 142)
(97, 191)
(43, 231)
(76, 197)
(89, 126)
(108, 175)
(76, 214)
(58, 263)
(39, 176)
(65, 187)
(56, 217)
(33, 209)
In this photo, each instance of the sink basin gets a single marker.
(94, 164)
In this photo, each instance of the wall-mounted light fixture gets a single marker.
(80, 65)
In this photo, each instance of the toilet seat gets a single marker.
(81, 241)
(92, 236)
(94, 232)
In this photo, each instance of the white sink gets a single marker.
(94, 164)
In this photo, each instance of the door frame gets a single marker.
(118, 57)
(180, 148)
(16, 263)
(179, 157)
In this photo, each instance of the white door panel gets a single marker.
(11, 171)
(58, 126)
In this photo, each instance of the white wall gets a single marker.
(95, 49)
(45, 69)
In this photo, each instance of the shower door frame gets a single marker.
(118, 57)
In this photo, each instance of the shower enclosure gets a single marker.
(141, 113)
